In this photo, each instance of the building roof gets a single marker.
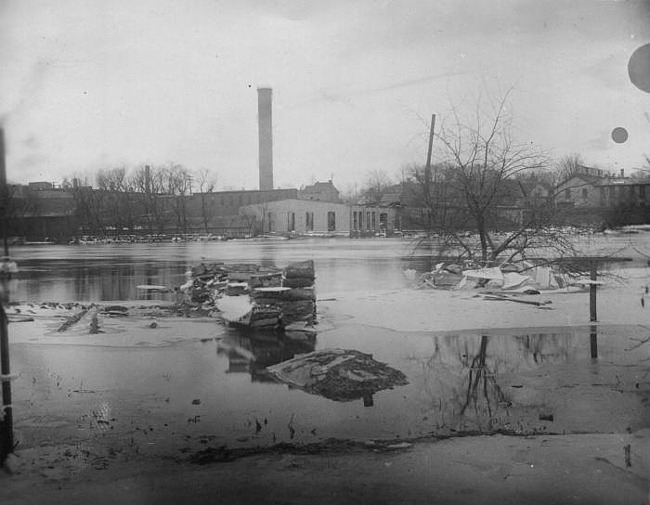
(624, 181)
(589, 179)
(320, 187)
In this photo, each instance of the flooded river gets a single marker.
(112, 272)
(201, 384)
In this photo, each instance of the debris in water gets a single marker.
(402, 445)
(253, 296)
(153, 287)
(94, 324)
(504, 298)
(72, 320)
(337, 374)
(115, 310)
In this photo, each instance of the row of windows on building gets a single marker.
(370, 221)
(309, 221)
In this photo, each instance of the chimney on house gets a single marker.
(265, 125)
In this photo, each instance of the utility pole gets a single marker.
(6, 414)
(427, 173)
(427, 169)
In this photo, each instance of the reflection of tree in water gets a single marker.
(463, 386)
(546, 347)
(482, 379)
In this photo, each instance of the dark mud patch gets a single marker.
(225, 454)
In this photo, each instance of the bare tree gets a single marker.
(429, 201)
(177, 182)
(351, 194)
(150, 182)
(376, 185)
(566, 167)
(113, 179)
(478, 202)
(89, 207)
(207, 182)
(115, 197)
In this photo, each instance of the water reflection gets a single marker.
(482, 379)
(593, 341)
(112, 272)
(252, 352)
(458, 382)
(465, 381)
(93, 280)
(530, 382)
(498, 380)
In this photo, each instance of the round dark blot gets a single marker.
(619, 135)
(638, 68)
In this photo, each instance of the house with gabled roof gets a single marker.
(320, 192)
(579, 190)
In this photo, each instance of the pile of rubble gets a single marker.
(295, 297)
(251, 295)
(338, 374)
(526, 278)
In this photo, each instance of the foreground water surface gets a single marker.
(203, 384)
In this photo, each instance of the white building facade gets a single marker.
(306, 217)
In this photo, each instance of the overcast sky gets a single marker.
(94, 84)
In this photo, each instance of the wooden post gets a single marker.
(592, 292)
(6, 425)
(594, 341)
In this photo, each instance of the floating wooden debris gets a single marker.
(255, 296)
(338, 374)
(153, 287)
(72, 320)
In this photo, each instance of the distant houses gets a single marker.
(39, 210)
(578, 190)
(581, 191)
(587, 196)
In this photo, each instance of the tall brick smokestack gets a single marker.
(264, 106)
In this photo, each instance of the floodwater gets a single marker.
(205, 386)
(112, 272)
